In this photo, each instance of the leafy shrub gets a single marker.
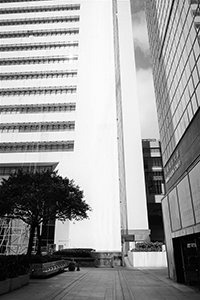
(148, 247)
(75, 252)
(13, 265)
(44, 259)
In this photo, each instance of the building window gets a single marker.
(38, 91)
(10, 170)
(38, 75)
(12, 1)
(27, 33)
(37, 108)
(37, 60)
(13, 22)
(33, 127)
(39, 46)
(37, 146)
(17, 10)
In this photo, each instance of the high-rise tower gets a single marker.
(68, 102)
(173, 28)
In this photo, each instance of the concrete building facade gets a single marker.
(173, 28)
(67, 90)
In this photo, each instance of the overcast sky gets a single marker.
(146, 96)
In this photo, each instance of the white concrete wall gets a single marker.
(135, 186)
(95, 152)
(94, 162)
(148, 259)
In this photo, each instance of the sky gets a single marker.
(145, 89)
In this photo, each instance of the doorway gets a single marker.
(190, 248)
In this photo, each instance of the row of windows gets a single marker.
(38, 75)
(17, 10)
(154, 162)
(13, 22)
(32, 127)
(155, 174)
(39, 46)
(149, 150)
(155, 188)
(37, 146)
(10, 170)
(37, 108)
(37, 60)
(10, 1)
(27, 33)
(38, 91)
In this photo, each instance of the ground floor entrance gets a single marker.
(187, 259)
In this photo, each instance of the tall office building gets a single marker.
(173, 28)
(68, 102)
(154, 183)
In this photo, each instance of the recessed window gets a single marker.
(34, 127)
(27, 33)
(13, 22)
(38, 91)
(37, 108)
(37, 146)
(38, 75)
(37, 60)
(39, 46)
(17, 10)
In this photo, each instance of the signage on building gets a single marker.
(172, 166)
(194, 176)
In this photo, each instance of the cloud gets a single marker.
(147, 105)
(140, 34)
(137, 5)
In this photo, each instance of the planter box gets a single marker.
(12, 284)
(15, 283)
(147, 259)
(4, 286)
(42, 270)
(24, 279)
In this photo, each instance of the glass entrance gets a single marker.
(191, 259)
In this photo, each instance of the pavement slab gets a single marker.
(118, 283)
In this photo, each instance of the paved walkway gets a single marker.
(105, 284)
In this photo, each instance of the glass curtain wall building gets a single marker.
(67, 88)
(173, 28)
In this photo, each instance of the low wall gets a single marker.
(42, 270)
(107, 259)
(148, 259)
(12, 284)
(86, 262)
(98, 259)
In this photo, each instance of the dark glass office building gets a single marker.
(154, 184)
(173, 28)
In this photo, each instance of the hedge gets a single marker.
(13, 265)
(148, 247)
(75, 252)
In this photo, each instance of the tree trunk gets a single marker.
(38, 240)
(31, 237)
